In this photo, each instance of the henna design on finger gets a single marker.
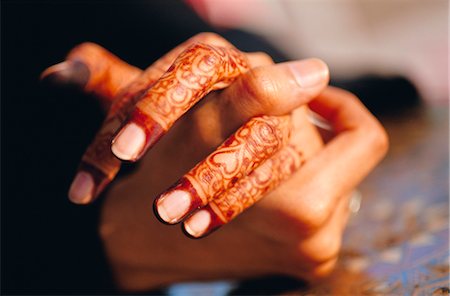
(199, 69)
(246, 192)
(99, 165)
(98, 162)
(251, 145)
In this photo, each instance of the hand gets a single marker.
(302, 220)
(147, 107)
(294, 230)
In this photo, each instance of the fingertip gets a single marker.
(173, 206)
(67, 73)
(82, 188)
(197, 225)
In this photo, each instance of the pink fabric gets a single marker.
(229, 13)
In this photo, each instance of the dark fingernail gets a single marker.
(68, 73)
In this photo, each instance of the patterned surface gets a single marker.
(400, 237)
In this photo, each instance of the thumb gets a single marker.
(92, 69)
(274, 90)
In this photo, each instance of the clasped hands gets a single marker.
(231, 127)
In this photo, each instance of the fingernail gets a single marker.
(68, 73)
(130, 141)
(310, 73)
(171, 207)
(198, 223)
(81, 190)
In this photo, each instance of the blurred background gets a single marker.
(354, 37)
(392, 54)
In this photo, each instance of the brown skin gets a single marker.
(296, 229)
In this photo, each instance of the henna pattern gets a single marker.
(159, 96)
(199, 69)
(253, 187)
(168, 92)
(248, 190)
(251, 145)
(98, 159)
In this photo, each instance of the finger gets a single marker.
(198, 70)
(250, 189)
(319, 250)
(359, 145)
(99, 166)
(246, 192)
(288, 93)
(349, 162)
(271, 90)
(258, 59)
(92, 69)
(239, 155)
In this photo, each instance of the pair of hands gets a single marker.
(296, 229)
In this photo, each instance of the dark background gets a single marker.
(48, 245)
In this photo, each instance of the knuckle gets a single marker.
(375, 136)
(314, 214)
(212, 57)
(86, 47)
(316, 260)
(372, 129)
(260, 89)
(379, 139)
(324, 269)
(264, 57)
(319, 249)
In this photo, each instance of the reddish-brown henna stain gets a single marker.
(198, 70)
(252, 144)
(248, 190)
(98, 159)
(185, 185)
(153, 131)
(215, 223)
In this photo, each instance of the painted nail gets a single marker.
(130, 141)
(172, 207)
(68, 73)
(310, 73)
(198, 223)
(81, 190)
